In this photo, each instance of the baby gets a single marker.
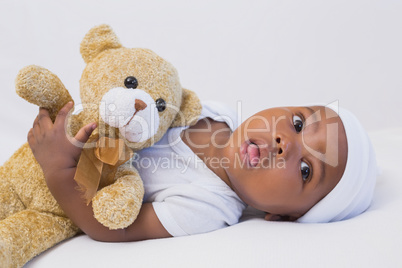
(305, 164)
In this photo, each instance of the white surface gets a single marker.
(373, 239)
(261, 53)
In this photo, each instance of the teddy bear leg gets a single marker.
(10, 202)
(25, 234)
(40, 86)
(117, 205)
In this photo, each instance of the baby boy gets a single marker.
(306, 164)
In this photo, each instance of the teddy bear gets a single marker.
(134, 96)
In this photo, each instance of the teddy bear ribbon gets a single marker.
(100, 163)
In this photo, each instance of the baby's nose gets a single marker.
(280, 145)
(287, 145)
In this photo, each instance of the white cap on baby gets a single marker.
(353, 193)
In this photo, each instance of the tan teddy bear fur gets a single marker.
(31, 221)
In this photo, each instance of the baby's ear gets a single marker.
(98, 39)
(272, 217)
(276, 217)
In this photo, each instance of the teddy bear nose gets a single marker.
(139, 105)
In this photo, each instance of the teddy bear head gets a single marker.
(132, 92)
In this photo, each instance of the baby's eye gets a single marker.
(305, 170)
(297, 123)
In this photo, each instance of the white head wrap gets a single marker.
(353, 193)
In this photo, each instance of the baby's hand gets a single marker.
(52, 148)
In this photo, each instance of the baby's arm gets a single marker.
(58, 158)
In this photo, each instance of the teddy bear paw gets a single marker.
(115, 208)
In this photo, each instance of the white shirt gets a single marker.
(187, 196)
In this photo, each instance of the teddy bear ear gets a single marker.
(190, 110)
(98, 39)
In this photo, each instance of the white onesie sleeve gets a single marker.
(191, 209)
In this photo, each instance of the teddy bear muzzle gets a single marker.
(133, 111)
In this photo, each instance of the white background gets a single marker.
(262, 53)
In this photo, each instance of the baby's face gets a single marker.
(287, 159)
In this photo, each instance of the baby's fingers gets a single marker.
(44, 119)
(36, 121)
(85, 132)
(62, 115)
(31, 138)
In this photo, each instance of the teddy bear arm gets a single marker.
(40, 86)
(117, 205)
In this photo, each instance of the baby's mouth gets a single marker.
(251, 153)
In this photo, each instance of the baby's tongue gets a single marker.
(254, 154)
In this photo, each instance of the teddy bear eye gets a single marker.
(160, 104)
(131, 82)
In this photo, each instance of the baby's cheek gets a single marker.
(273, 163)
